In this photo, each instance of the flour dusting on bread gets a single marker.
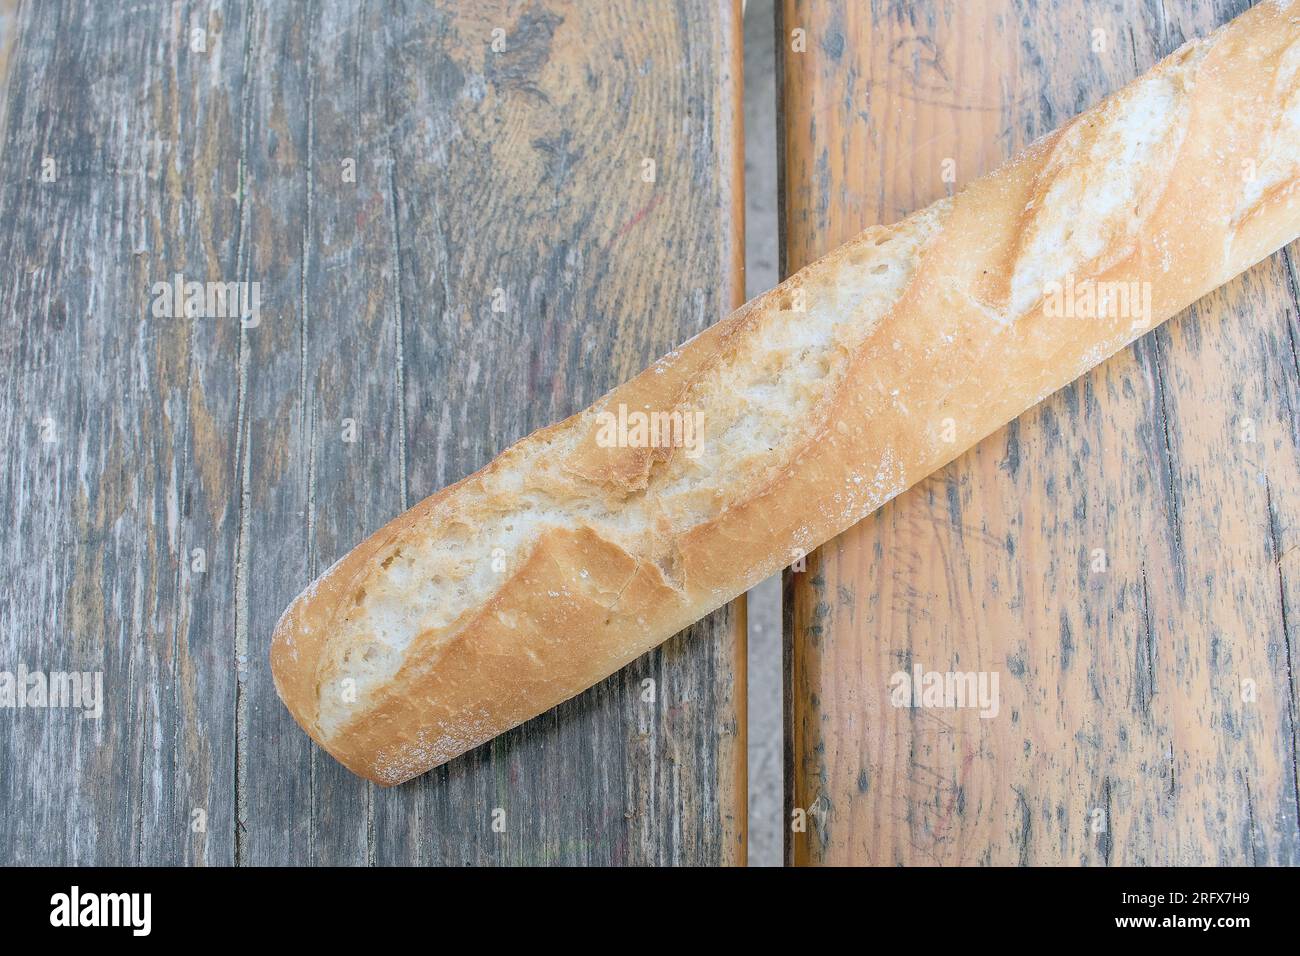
(782, 371)
(1101, 182)
(1278, 160)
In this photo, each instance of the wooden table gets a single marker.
(467, 220)
(1126, 556)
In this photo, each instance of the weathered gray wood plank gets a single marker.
(518, 183)
(106, 515)
(379, 170)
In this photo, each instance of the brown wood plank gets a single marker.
(1122, 736)
(380, 170)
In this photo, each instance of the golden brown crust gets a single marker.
(879, 363)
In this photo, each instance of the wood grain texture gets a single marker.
(1124, 735)
(387, 176)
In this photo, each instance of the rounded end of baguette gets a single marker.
(300, 641)
(293, 658)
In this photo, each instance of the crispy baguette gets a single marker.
(570, 554)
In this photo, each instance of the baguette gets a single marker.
(590, 542)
